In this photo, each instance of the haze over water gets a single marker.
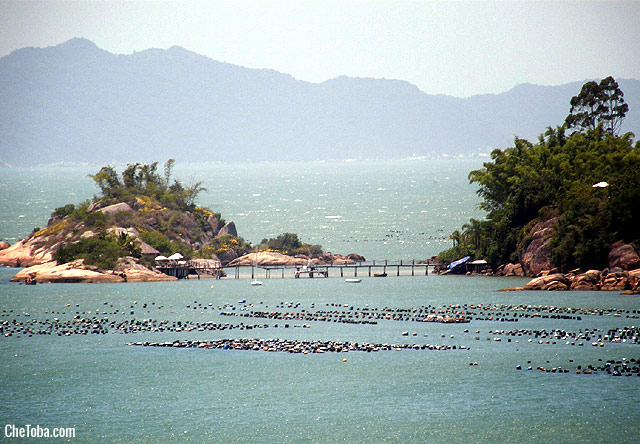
(114, 393)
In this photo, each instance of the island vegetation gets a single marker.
(289, 244)
(138, 215)
(580, 182)
(141, 204)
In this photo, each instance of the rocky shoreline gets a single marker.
(127, 270)
(275, 259)
(41, 268)
(615, 279)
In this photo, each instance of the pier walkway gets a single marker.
(382, 268)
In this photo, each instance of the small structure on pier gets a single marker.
(176, 266)
(311, 271)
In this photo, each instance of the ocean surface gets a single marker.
(115, 393)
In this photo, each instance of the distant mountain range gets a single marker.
(78, 103)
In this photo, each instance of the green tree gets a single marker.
(143, 180)
(596, 104)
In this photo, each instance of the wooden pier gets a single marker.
(196, 267)
(370, 268)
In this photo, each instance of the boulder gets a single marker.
(588, 281)
(356, 257)
(4, 245)
(23, 254)
(213, 223)
(94, 206)
(556, 286)
(615, 281)
(554, 270)
(267, 258)
(66, 273)
(116, 208)
(634, 280)
(127, 270)
(512, 270)
(546, 282)
(536, 257)
(339, 259)
(624, 256)
(229, 228)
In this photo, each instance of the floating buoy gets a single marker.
(344, 360)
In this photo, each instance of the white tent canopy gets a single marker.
(175, 257)
(162, 258)
(478, 262)
(601, 185)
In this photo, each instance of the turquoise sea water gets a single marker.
(382, 210)
(114, 393)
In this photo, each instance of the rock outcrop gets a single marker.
(116, 208)
(4, 245)
(70, 272)
(274, 259)
(24, 254)
(267, 258)
(229, 228)
(634, 280)
(615, 279)
(587, 281)
(536, 257)
(510, 270)
(624, 256)
(127, 270)
(213, 223)
(555, 281)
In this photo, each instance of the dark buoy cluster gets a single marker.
(86, 326)
(623, 367)
(293, 346)
(597, 337)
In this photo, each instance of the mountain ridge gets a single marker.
(75, 102)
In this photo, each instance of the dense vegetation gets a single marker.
(159, 211)
(102, 251)
(139, 179)
(288, 243)
(555, 178)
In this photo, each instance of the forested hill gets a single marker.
(78, 103)
(566, 200)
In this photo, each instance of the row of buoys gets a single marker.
(630, 334)
(622, 367)
(294, 346)
(94, 325)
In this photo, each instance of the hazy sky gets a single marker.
(456, 48)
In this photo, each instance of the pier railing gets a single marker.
(375, 268)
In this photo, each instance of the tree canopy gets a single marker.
(598, 104)
(143, 180)
(288, 243)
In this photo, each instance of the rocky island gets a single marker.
(139, 215)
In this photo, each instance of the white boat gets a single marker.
(353, 281)
(256, 283)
